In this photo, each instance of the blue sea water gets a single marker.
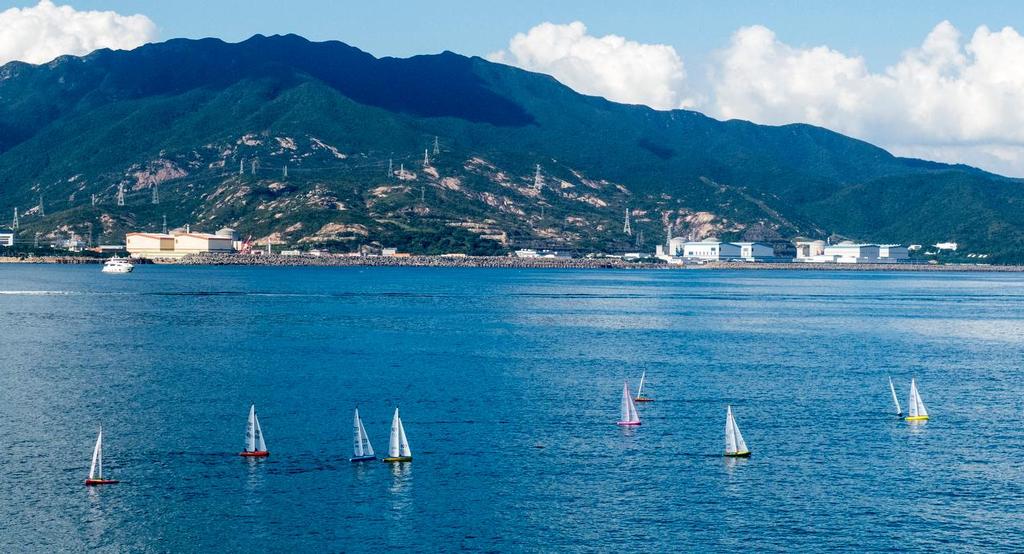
(509, 383)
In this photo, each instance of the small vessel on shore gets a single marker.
(117, 265)
(96, 469)
(398, 447)
(255, 447)
(628, 415)
(640, 390)
(362, 450)
(895, 399)
(915, 406)
(735, 446)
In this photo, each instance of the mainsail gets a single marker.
(895, 399)
(96, 469)
(640, 389)
(628, 414)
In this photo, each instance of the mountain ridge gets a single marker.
(175, 115)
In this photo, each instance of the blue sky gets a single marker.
(878, 30)
(941, 80)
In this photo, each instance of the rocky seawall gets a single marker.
(555, 263)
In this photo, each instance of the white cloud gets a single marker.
(947, 99)
(41, 33)
(609, 66)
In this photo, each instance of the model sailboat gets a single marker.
(362, 450)
(917, 411)
(398, 447)
(96, 469)
(735, 446)
(895, 399)
(640, 390)
(628, 415)
(255, 447)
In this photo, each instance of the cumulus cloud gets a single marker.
(41, 33)
(610, 66)
(947, 99)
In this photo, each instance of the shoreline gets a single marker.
(506, 262)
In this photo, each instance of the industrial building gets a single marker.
(714, 250)
(179, 243)
(6, 239)
(848, 252)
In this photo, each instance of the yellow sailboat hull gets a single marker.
(744, 454)
(917, 418)
(397, 459)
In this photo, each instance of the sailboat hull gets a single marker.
(255, 454)
(397, 459)
(643, 399)
(917, 418)
(362, 459)
(745, 454)
(94, 482)
(628, 423)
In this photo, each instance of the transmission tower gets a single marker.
(42, 211)
(426, 158)
(391, 169)
(35, 244)
(284, 174)
(156, 193)
(120, 194)
(14, 224)
(423, 194)
(538, 179)
(626, 227)
(437, 146)
(401, 170)
(164, 231)
(255, 165)
(93, 198)
(640, 238)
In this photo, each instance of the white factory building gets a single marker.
(179, 243)
(847, 252)
(714, 250)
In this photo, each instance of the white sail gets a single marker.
(361, 446)
(403, 443)
(628, 409)
(357, 436)
(396, 425)
(734, 443)
(895, 399)
(96, 469)
(250, 430)
(367, 447)
(261, 445)
(916, 405)
(640, 389)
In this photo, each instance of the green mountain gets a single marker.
(290, 140)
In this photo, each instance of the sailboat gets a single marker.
(895, 399)
(917, 411)
(640, 390)
(255, 447)
(629, 415)
(362, 450)
(398, 447)
(735, 446)
(96, 469)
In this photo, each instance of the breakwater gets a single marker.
(508, 262)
